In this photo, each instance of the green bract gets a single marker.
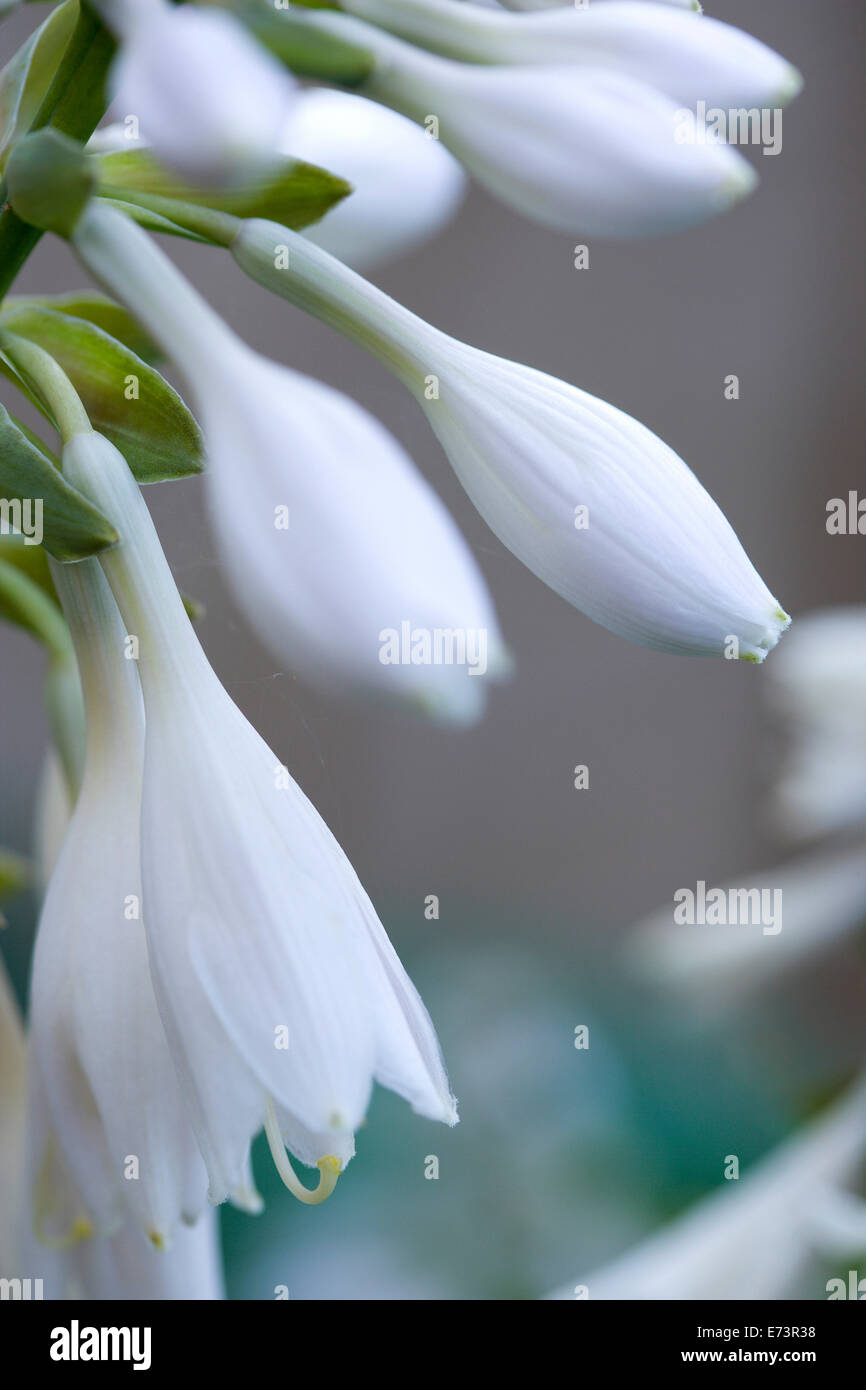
(98, 309)
(71, 526)
(126, 399)
(25, 79)
(294, 193)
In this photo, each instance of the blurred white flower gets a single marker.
(689, 57)
(279, 991)
(109, 1080)
(13, 1093)
(329, 535)
(819, 690)
(207, 96)
(759, 1237)
(405, 187)
(554, 4)
(823, 898)
(593, 151)
(587, 498)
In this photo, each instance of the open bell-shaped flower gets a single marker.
(281, 996)
(109, 1080)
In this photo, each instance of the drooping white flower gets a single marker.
(279, 991)
(331, 539)
(13, 1091)
(51, 818)
(210, 100)
(405, 186)
(685, 55)
(99, 1045)
(57, 1246)
(760, 1237)
(693, 5)
(592, 150)
(819, 689)
(590, 500)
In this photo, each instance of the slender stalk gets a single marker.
(50, 382)
(74, 104)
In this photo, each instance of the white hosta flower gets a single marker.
(405, 186)
(821, 901)
(210, 100)
(13, 1091)
(593, 151)
(591, 501)
(693, 5)
(57, 1245)
(332, 541)
(98, 1042)
(819, 688)
(687, 56)
(51, 818)
(760, 1237)
(281, 995)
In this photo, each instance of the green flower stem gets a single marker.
(220, 228)
(50, 382)
(74, 104)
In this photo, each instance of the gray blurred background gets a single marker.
(679, 751)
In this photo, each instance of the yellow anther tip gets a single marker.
(330, 1164)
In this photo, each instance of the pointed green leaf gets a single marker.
(97, 308)
(71, 526)
(27, 76)
(294, 193)
(127, 400)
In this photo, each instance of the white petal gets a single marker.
(210, 100)
(405, 185)
(368, 545)
(97, 1036)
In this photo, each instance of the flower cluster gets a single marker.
(200, 915)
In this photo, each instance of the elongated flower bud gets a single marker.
(281, 996)
(210, 100)
(98, 1041)
(593, 150)
(685, 55)
(590, 500)
(333, 544)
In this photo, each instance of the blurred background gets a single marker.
(564, 1157)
